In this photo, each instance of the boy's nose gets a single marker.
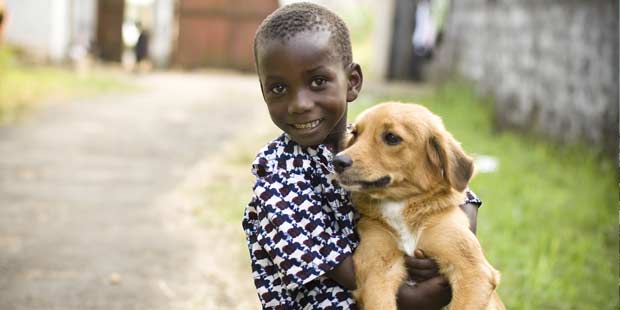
(342, 162)
(300, 104)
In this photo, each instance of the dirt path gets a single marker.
(91, 216)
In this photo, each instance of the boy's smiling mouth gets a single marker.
(308, 125)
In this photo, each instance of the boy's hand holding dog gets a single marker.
(431, 291)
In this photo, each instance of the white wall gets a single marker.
(58, 41)
(29, 25)
(162, 32)
(83, 28)
(48, 28)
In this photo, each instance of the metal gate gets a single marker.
(219, 33)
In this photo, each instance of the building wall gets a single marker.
(551, 65)
(82, 23)
(164, 32)
(21, 31)
(47, 29)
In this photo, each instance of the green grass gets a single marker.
(23, 86)
(549, 221)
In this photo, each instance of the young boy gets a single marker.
(300, 225)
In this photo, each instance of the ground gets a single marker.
(96, 211)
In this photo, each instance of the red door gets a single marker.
(219, 33)
(110, 15)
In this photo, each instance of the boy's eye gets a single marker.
(317, 82)
(278, 89)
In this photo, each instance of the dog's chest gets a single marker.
(392, 212)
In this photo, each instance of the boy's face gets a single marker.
(306, 87)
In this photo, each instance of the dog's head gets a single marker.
(397, 150)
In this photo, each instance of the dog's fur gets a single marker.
(408, 194)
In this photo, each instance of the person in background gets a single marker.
(142, 48)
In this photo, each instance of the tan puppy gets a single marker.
(408, 176)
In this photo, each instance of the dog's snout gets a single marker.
(341, 162)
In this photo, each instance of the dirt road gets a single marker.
(90, 213)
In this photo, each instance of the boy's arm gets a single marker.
(344, 273)
(432, 293)
(432, 290)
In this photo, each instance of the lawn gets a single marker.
(22, 86)
(549, 221)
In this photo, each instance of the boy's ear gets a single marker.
(355, 79)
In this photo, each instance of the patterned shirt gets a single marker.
(299, 225)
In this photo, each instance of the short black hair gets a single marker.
(289, 20)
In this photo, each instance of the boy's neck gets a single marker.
(335, 140)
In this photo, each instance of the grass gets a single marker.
(23, 86)
(549, 221)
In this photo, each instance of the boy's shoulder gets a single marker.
(283, 154)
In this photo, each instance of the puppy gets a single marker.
(407, 175)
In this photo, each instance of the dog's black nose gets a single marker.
(341, 162)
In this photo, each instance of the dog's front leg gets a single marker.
(461, 260)
(379, 266)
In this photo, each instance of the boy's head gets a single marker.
(290, 20)
(304, 63)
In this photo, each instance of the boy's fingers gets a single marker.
(437, 291)
(420, 263)
(419, 254)
(439, 281)
(421, 269)
(423, 275)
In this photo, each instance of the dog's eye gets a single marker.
(392, 139)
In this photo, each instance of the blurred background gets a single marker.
(127, 130)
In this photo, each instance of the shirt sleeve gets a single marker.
(270, 293)
(295, 231)
(471, 198)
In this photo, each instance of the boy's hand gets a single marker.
(430, 291)
(421, 268)
(430, 294)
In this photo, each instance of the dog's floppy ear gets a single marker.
(445, 153)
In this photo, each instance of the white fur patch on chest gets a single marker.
(392, 212)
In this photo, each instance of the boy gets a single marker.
(300, 225)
